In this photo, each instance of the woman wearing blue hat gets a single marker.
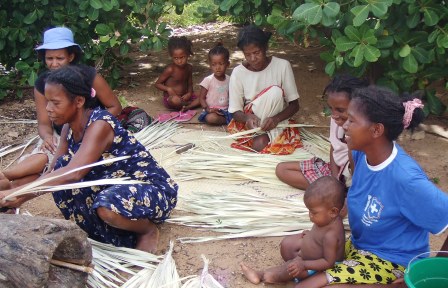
(58, 50)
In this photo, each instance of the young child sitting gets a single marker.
(314, 250)
(176, 81)
(214, 94)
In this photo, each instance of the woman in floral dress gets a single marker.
(122, 215)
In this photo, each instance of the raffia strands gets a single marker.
(37, 185)
(7, 150)
(205, 280)
(165, 275)
(316, 144)
(241, 214)
(156, 133)
(197, 164)
(258, 131)
(113, 265)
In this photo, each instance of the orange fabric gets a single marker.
(284, 144)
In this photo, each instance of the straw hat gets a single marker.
(58, 38)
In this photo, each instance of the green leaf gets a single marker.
(105, 38)
(93, 14)
(327, 56)
(410, 64)
(96, 4)
(358, 54)
(30, 18)
(361, 12)
(103, 29)
(442, 41)
(405, 51)
(227, 4)
(369, 37)
(124, 49)
(328, 21)
(433, 36)
(385, 42)
(331, 9)
(32, 78)
(436, 107)
(413, 20)
(430, 17)
(157, 45)
(371, 53)
(378, 9)
(353, 33)
(345, 44)
(258, 19)
(107, 5)
(421, 55)
(330, 68)
(22, 66)
(275, 20)
(310, 13)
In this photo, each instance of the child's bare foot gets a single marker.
(148, 241)
(252, 275)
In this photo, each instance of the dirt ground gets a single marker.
(137, 87)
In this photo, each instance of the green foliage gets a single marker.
(197, 12)
(106, 29)
(397, 43)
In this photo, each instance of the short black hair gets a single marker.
(252, 34)
(345, 83)
(327, 190)
(180, 42)
(381, 105)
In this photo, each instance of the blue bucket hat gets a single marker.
(58, 38)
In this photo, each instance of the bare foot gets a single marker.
(148, 241)
(2, 176)
(252, 275)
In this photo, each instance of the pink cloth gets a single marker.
(409, 108)
(217, 92)
(176, 116)
(340, 149)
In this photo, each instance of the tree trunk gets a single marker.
(28, 244)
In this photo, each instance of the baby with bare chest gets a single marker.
(317, 249)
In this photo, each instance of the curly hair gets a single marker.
(181, 42)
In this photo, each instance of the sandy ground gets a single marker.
(137, 87)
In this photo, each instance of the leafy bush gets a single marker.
(105, 29)
(400, 44)
(197, 12)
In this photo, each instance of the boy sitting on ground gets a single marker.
(314, 250)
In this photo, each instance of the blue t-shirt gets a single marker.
(393, 206)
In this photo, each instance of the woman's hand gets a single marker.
(269, 123)
(50, 144)
(296, 266)
(11, 203)
(252, 121)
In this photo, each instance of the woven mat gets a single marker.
(167, 157)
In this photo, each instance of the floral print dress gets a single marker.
(152, 200)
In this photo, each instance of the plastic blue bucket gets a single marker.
(431, 272)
